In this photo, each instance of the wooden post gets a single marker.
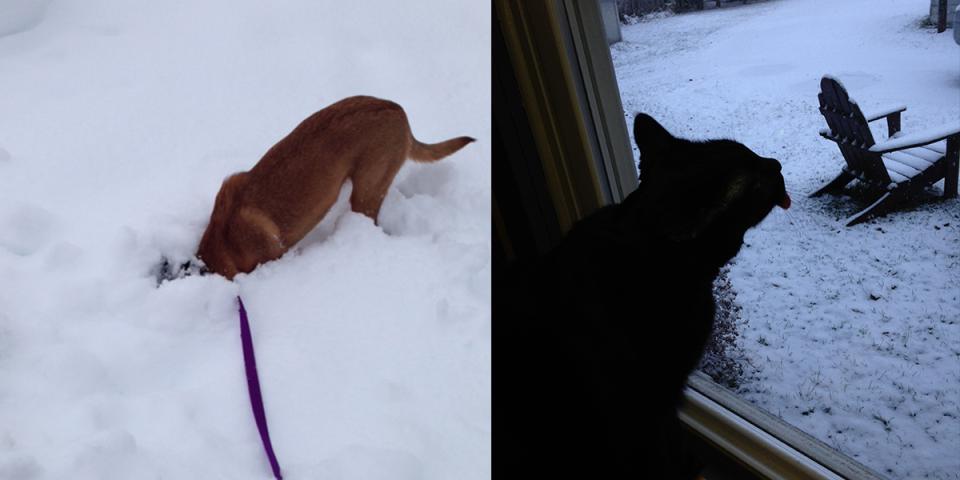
(942, 16)
(952, 166)
(893, 123)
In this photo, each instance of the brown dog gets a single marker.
(258, 215)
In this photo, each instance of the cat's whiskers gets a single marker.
(794, 194)
(798, 226)
(797, 223)
(792, 221)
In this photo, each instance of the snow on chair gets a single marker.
(893, 169)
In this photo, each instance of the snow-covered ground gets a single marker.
(852, 334)
(118, 121)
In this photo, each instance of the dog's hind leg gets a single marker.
(369, 189)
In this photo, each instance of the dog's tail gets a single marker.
(431, 152)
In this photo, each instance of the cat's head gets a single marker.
(710, 192)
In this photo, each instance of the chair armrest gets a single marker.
(916, 139)
(883, 112)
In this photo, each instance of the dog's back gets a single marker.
(260, 214)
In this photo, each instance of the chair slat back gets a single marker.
(847, 123)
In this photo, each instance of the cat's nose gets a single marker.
(785, 201)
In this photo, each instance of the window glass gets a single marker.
(850, 333)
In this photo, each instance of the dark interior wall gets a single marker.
(525, 223)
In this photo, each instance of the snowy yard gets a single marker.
(118, 121)
(851, 334)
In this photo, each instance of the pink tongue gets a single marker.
(785, 202)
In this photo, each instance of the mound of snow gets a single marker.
(19, 15)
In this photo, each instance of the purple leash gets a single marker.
(253, 386)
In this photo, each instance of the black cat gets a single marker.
(594, 341)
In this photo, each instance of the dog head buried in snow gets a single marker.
(260, 214)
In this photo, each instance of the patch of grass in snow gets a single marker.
(924, 23)
(647, 17)
(723, 359)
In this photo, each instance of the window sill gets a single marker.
(760, 441)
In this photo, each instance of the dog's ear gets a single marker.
(654, 142)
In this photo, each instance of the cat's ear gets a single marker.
(650, 136)
(654, 143)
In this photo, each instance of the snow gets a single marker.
(883, 112)
(907, 160)
(121, 119)
(851, 334)
(20, 15)
(898, 171)
(918, 138)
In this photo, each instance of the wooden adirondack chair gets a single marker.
(893, 169)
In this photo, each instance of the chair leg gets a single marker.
(834, 185)
(953, 167)
(893, 123)
(880, 206)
